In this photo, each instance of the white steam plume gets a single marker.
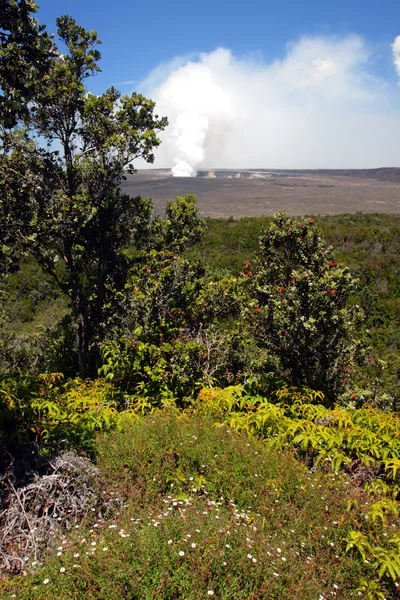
(189, 135)
(318, 107)
(199, 110)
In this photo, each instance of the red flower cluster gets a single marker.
(331, 263)
(245, 267)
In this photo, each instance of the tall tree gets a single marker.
(26, 50)
(60, 172)
(25, 53)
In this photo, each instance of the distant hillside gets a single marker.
(382, 174)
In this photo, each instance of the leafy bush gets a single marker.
(300, 311)
(360, 438)
(46, 412)
(176, 330)
(362, 443)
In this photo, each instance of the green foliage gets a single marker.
(159, 297)
(155, 372)
(222, 296)
(176, 330)
(358, 438)
(36, 333)
(149, 354)
(363, 443)
(369, 244)
(181, 229)
(25, 54)
(47, 412)
(228, 243)
(66, 204)
(300, 308)
(208, 510)
(25, 51)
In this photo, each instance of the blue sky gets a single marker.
(282, 84)
(139, 35)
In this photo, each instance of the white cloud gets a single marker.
(318, 107)
(396, 53)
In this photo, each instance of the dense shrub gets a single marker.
(300, 306)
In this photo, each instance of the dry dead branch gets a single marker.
(33, 516)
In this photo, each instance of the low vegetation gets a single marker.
(209, 512)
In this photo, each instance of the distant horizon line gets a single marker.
(274, 169)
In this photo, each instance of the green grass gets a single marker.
(208, 513)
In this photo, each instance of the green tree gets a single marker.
(300, 306)
(60, 171)
(25, 54)
(26, 50)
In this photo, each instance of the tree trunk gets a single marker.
(83, 347)
(82, 320)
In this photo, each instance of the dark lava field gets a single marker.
(240, 193)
